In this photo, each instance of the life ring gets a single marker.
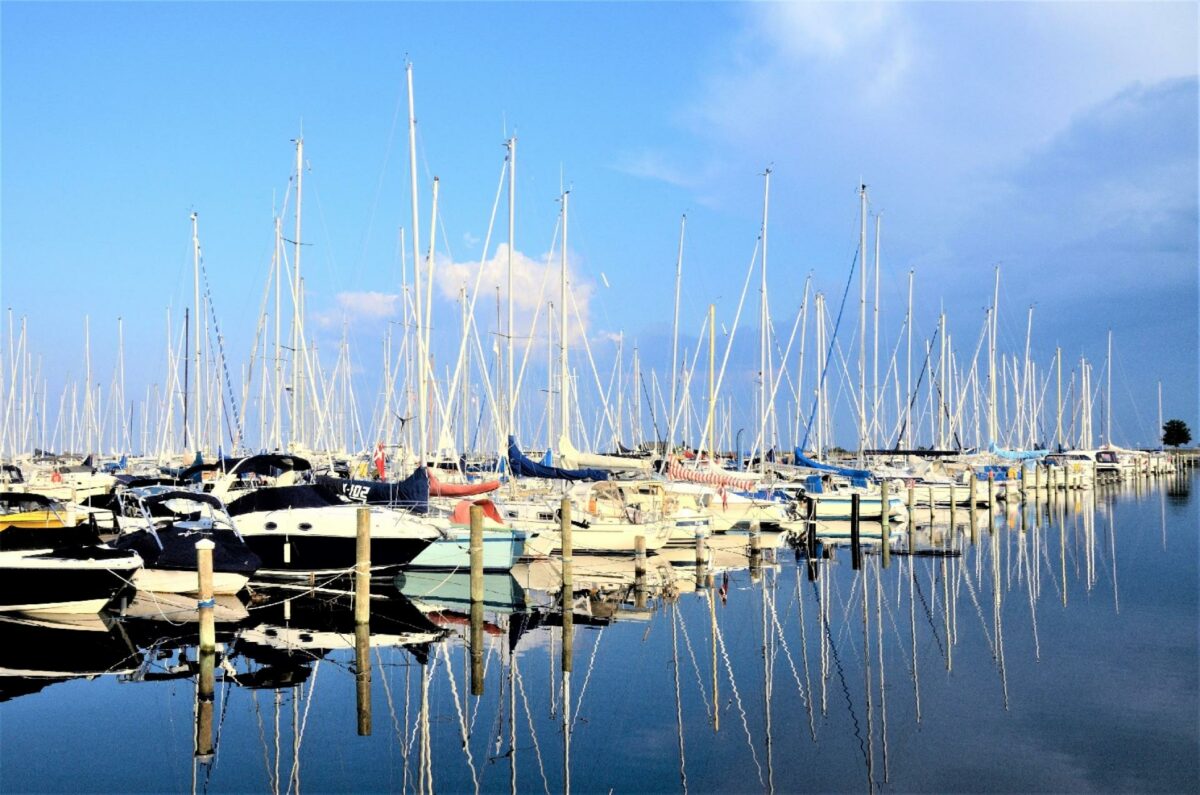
(56, 477)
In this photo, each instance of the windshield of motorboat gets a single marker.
(20, 502)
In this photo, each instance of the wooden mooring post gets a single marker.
(855, 537)
(476, 556)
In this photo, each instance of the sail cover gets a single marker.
(1016, 455)
(572, 457)
(439, 489)
(412, 493)
(846, 472)
(523, 467)
(711, 476)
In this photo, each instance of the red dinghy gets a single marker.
(440, 489)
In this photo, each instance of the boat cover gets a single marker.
(439, 489)
(710, 476)
(1016, 455)
(523, 467)
(491, 515)
(281, 498)
(412, 493)
(847, 472)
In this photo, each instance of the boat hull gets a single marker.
(41, 583)
(501, 549)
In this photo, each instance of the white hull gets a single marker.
(186, 582)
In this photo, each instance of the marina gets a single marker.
(721, 397)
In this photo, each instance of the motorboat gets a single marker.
(167, 523)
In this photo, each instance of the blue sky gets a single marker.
(1058, 140)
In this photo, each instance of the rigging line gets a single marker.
(653, 413)
(787, 652)
(929, 617)
(829, 352)
(537, 750)
(462, 721)
(678, 697)
(587, 677)
(837, 661)
(912, 399)
(738, 698)
(699, 681)
(979, 612)
(212, 310)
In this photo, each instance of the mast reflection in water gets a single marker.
(1049, 646)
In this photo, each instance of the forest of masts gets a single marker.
(826, 383)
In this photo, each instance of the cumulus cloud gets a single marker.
(535, 282)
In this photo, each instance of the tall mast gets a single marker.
(675, 334)
(416, 241)
(1160, 419)
(1108, 396)
(908, 323)
(512, 193)
(197, 436)
(1027, 388)
(563, 314)
(426, 359)
(875, 349)
(993, 430)
(862, 325)
(297, 431)
(764, 321)
(941, 401)
(712, 373)
(276, 267)
(1058, 433)
(820, 374)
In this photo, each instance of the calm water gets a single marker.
(1057, 653)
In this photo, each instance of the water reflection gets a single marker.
(971, 638)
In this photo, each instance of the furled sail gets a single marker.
(573, 458)
(522, 466)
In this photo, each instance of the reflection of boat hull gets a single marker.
(35, 653)
(835, 530)
(40, 581)
(300, 554)
(501, 549)
(435, 590)
(167, 581)
(178, 608)
(593, 573)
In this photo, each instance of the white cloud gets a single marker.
(648, 164)
(535, 282)
(359, 307)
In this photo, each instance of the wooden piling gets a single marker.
(477, 647)
(885, 523)
(204, 705)
(204, 567)
(639, 572)
(362, 567)
(855, 538)
(476, 553)
(362, 676)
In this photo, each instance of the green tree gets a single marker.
(1175, 433)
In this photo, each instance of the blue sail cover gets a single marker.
(523, 467)
(846, 472)
(412, 493)
(1017, 455)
